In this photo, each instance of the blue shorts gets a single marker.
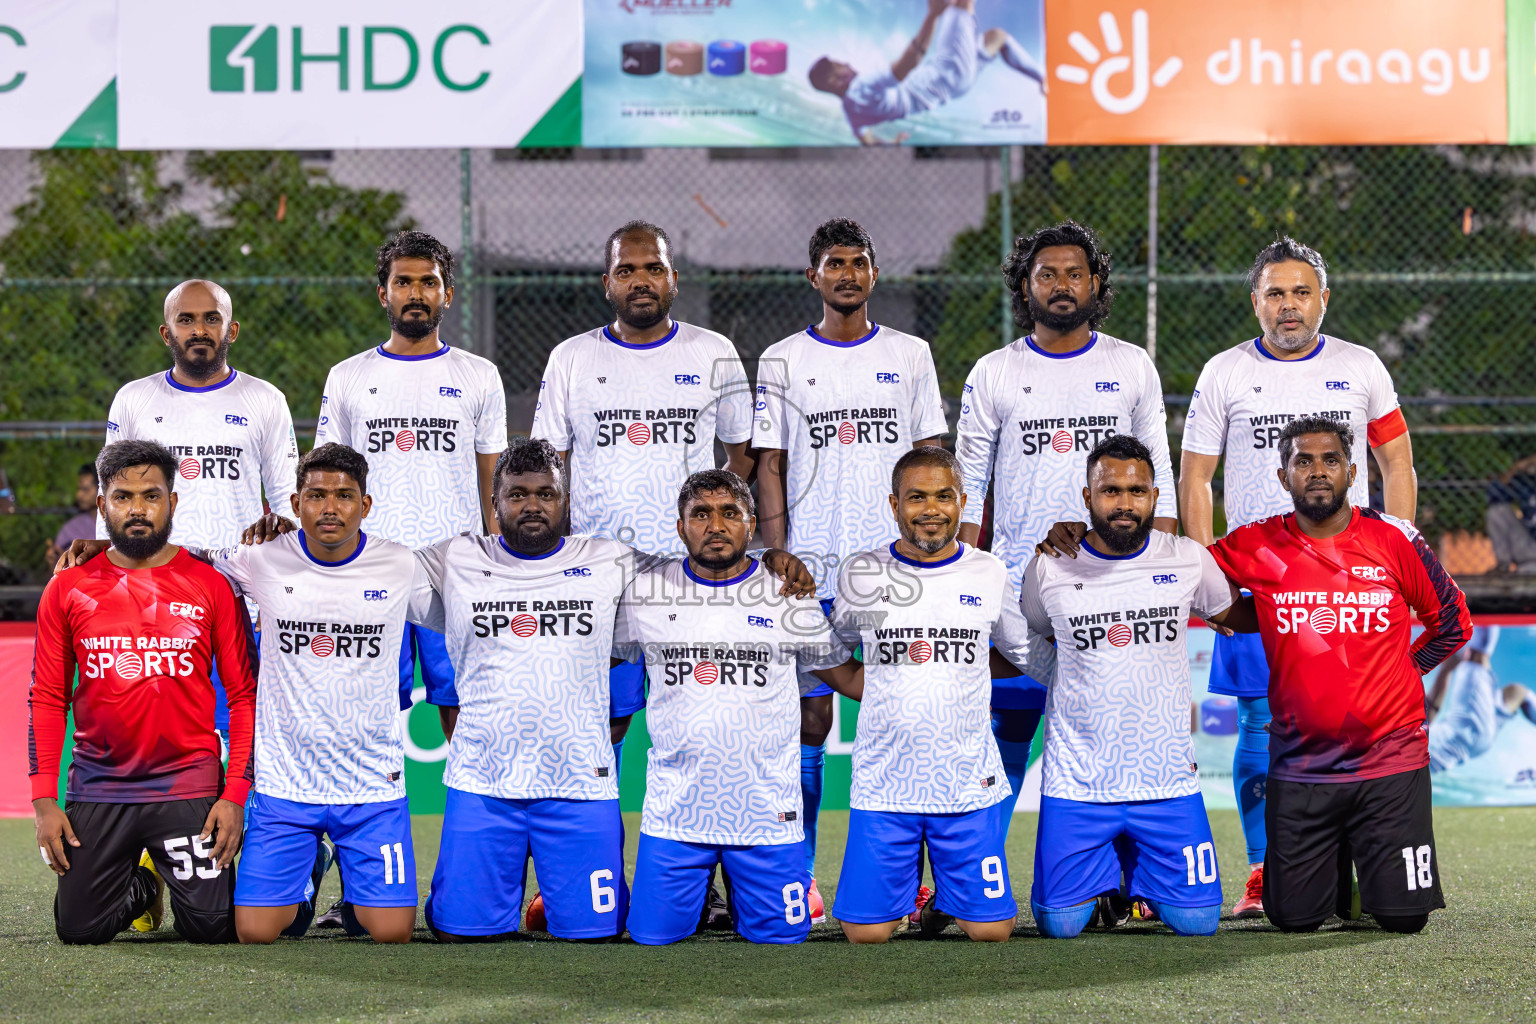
(577, 848)
(626, 688)
(821, 689)
(1163, 848)
(373, 850)
(766, 886)
(427, 648)
(883, 865)
(1238, 666)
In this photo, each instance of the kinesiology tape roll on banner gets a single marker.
(768, 57)
(1218, 715)
(727, 57)
(642, 58)
(685, 58)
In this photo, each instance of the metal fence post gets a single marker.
(1006, 233)
(467, 257)
(1152, 161)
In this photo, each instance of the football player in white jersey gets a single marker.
(634, 407)
(233, 432)
(926, 769)
(1120, 806)
(430, 417)
(1243, 400)
(837, 403)
(1029, 414)
(723, 648)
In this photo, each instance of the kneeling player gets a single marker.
(926, 769)
(1120, 806)
(144, 624)
(721, 646)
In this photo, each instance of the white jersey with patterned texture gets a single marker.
(1245, 398)
(327, 709)
(925, 743)
(723, 708)
(1117, 716)
(419, 421)
(637, 420)
(844, 412)
(1027, 422)
(233, 439)
(530, 639)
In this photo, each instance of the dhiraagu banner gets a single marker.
(57, 61)
(812, 72)
(294, 74)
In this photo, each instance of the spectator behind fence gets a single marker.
(81, 525)
(1512, 517)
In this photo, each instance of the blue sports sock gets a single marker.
(813, 762)
(1188, 920)
(1014, 729)
(618, 762)
(1250, 771)
(1062, 922)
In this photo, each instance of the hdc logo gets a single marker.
(234, 50)
(686, 378)
(887, 378)
(375, 595)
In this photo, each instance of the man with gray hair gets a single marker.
(232, 434)
(1242, 403)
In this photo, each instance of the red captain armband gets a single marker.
(1386, 428)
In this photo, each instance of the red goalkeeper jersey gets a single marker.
(1334, 614)
(144, 642)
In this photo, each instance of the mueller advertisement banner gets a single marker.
(813, 72)
(1299, 72)
(294, 74)
(57, 61)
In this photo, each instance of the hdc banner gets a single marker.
(57, 59)
(293, 74)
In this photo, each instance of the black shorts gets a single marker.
(1384, 826)
(98, 896)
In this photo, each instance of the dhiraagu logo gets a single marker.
(248, 58)
(1113, 61)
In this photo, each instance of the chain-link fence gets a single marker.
(1432, 248)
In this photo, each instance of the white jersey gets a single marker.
(530, 639)
(924, 743)
(637, 420)
(844, 412)
(233, 439)
(1117, 716)
(724, 703)
(419, 421)
(1245, 398)
(1027, 422)
(328, 707)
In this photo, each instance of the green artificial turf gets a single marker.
(1475, 961)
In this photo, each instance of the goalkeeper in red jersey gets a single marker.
(144, 624)
(1336, 587)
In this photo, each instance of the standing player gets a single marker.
(143, 624)
(1120, 791)
(1028, 416)
(431, 418)
(926, 770)
(1244, 398)
(634, 407)
(722, 646)
(838, 402)
(1337, 586)
(232, 434)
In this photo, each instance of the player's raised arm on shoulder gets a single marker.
(1010, 633)
(1205, 437)
(824, 655)
(1435, 598)
(1196, 503)
(1149, 423)
(335, 422)
(490, 442)
(234, 651)
(975, 447)
(927, 412)
(53, 672)
(1387, 435)
(425, 606)
(733, 413)
(1031, 604)
(485, 472)
(770, 436)
(551, 419)
(772, 500)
